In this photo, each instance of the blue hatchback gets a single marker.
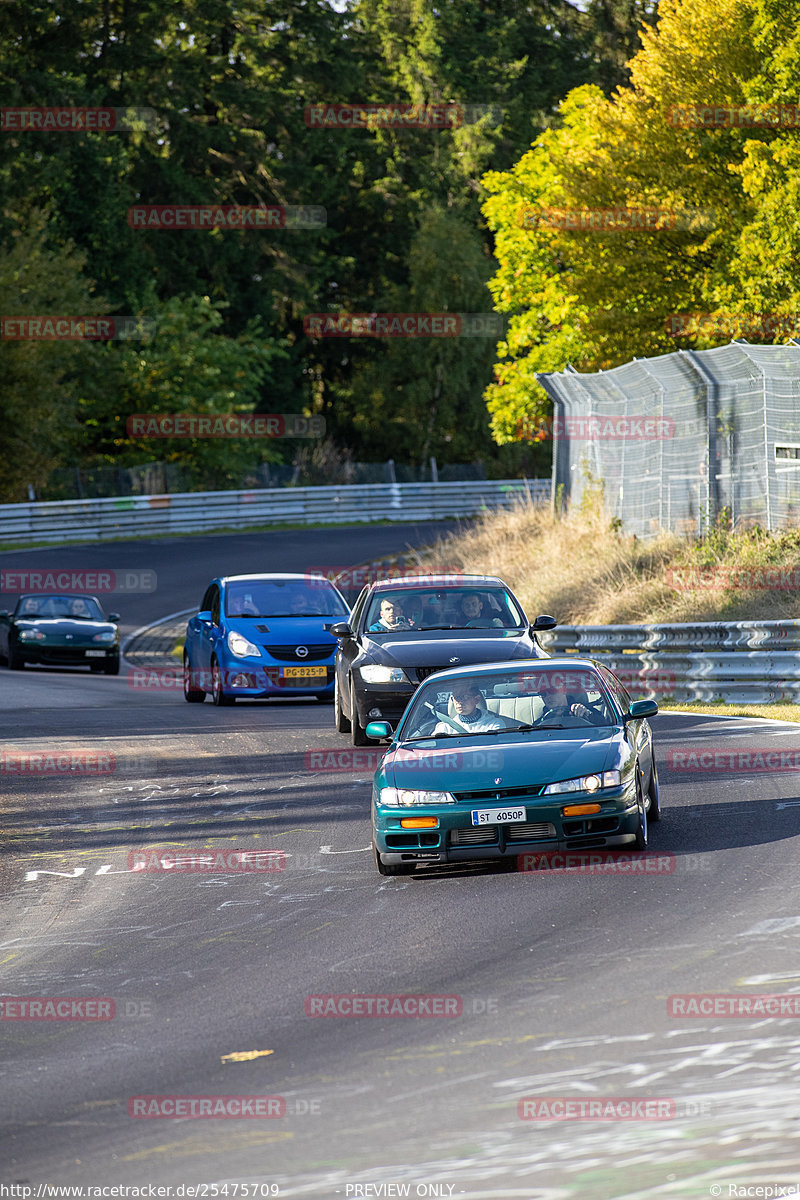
(262, 635)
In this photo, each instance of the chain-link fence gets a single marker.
(685, 439)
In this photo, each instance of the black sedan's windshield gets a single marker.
(468, 607)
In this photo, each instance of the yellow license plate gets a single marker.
(305, 672)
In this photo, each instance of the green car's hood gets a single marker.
(519, 760)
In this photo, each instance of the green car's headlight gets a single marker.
(108, 636)
(375, 674)
(584, 783)
(408, 797)
(241, 647)
(31, 635)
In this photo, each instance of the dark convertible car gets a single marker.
(60, 631)
(401, 631)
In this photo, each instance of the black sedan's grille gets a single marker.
(424, 672)
(289, 653)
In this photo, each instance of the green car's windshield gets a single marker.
(523, 699)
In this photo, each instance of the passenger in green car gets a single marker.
(470, 714)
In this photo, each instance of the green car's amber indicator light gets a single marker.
(419, 822)
(580, 810)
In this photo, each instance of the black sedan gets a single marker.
(60, 631)
(402, 630)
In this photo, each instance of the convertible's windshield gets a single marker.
(76, 608)
(524, 699)
(405, 609)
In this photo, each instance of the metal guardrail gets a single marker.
(755, 662)
(184, 512)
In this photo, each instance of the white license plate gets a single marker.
(497, 816)
(95, 653)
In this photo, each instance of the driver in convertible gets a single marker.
(471, 714)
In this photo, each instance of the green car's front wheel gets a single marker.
(654, 811)
(641, 828)
(391, 868)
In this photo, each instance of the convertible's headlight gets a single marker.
(584, 783)
(241, 647)
(31, 635)
(108, 636)
(375, 674)
(408, 797)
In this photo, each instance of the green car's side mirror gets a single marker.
(640, 709)
(378, 730)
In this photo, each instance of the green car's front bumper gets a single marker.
(456, 839)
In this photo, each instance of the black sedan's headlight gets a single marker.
(371, 673)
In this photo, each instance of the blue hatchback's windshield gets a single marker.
(467, 607)
(283, 598)
(529, 697)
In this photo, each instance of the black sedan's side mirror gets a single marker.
(341, 630)
(113, 617)
(543, 622)
(640, 709)
(4, 612)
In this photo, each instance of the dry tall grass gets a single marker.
(585, 572)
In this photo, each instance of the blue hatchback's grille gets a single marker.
(289, 653)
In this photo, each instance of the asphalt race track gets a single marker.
(562, 980)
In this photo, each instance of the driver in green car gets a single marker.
(471, 714)
(561, 708)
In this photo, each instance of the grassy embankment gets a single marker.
(585, 572)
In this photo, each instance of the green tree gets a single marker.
(595, 298)
(40, 379)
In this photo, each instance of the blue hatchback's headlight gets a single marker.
(241, 647)
(408, 797)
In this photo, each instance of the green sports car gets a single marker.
(60, 631)
(494, 761)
